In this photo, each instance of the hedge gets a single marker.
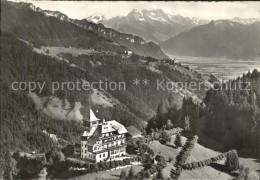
(183, 156)
(207, 162)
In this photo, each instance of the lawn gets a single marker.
(200, 153)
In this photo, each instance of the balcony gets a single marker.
(110, 148)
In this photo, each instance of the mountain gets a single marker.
(50, 29)
(135, 43)
(221, 38)
(152, 25)
(114, 38)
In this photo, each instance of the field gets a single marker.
(222, 68)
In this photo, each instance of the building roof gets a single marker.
(133, 131)
(105, 127)
(93, 139)
(92, 116)
(113, 125)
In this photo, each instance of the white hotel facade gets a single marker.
(103, 140)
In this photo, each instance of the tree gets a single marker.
(16, 155)
(161, 162)
(54, 155)
(187, 123)
(177, 141)
(159, 175)
(147, 174)
(131, 173)
(169, 124)
(123, 174)
(159, 110)
(166, 137)
(232, 162)
(68, 151)
(10, 169)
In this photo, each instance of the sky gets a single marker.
(205, 10)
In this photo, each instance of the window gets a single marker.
(85, 151)
(100, 155)
(104, 155)
(85, 145)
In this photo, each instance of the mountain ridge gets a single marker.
(221, 38)
(134, 43)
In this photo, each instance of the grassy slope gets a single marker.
(201, 153)
(198, 153)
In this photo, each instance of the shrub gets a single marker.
(147, 174)
(232, 161)
(159, 175)
(166, 137)
(177, 141)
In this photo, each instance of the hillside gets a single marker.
(221, 38)
(26, 115)
(82, 33)
(235, 114)
(135, 43)
(152, 25)
(40, 30)
(200, 153)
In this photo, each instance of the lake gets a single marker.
(222, 68)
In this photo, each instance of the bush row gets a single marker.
(182, 157)
(101, 166)
(207, 162)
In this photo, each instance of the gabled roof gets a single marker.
(92, 116)
(113, 125)
(133, 131)
(109, 126)
(93, 139)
